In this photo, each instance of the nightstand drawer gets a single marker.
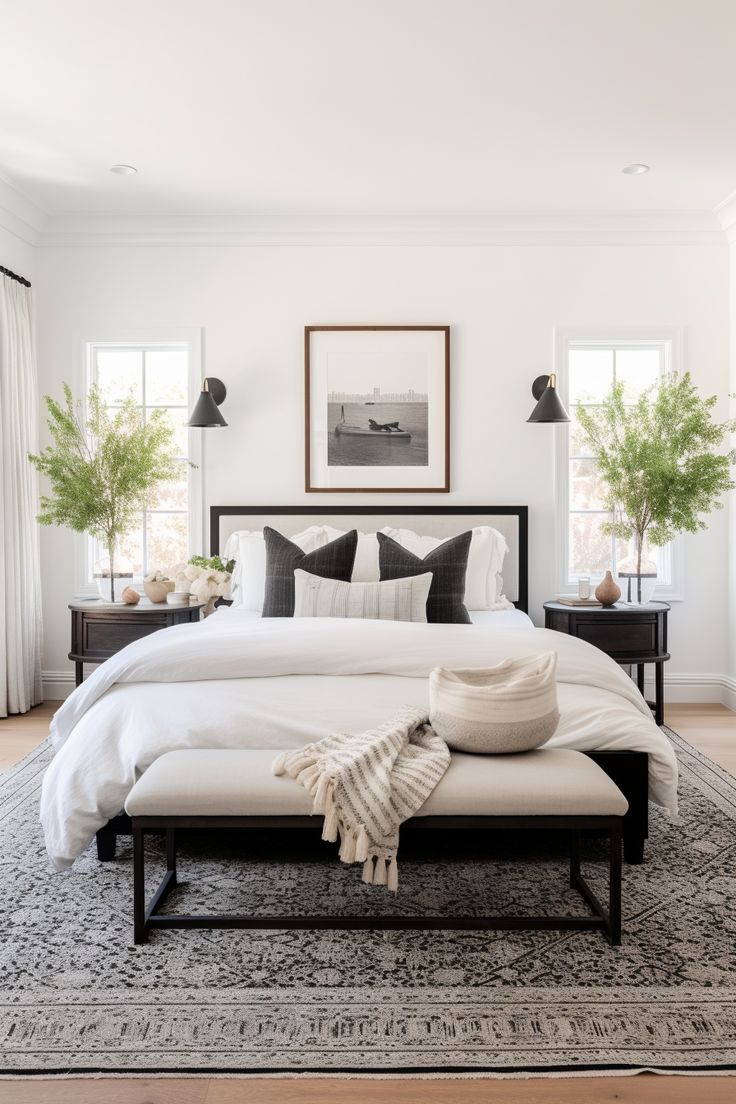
(618, 636)
(106, 637)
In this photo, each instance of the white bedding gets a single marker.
(236, 681)
(500, 619)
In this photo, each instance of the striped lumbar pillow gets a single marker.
(394, 600)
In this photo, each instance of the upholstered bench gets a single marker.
(553, 789)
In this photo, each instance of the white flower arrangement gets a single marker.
(206, 581)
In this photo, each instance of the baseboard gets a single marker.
(684, 688)
(57, 684)
(677, 687)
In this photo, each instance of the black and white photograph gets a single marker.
(377, 407)
(377, 410)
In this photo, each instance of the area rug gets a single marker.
(77, 997)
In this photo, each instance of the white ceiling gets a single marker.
(367, 107)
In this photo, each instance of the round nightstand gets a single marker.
(100, 629)
(632, 635)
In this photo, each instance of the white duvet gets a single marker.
(233, 681)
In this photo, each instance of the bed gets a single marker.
(239, 680)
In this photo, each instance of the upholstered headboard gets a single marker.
(438, 521)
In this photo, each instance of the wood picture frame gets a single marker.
(347, 371)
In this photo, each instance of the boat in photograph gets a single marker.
(380, 431)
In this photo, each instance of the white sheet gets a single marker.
(236, 681)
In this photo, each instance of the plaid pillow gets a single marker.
(448, 563)
(332, 561)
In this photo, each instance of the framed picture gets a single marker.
(377, 408)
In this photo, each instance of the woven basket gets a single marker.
(495, 710)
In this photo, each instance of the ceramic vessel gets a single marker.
(130, 597)
(156, 592)
(608, 591)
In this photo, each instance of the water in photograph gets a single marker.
(379, 450)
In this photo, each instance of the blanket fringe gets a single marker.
(393, 875)
(361, 846)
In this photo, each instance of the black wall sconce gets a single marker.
(206, 414)
(549, 406)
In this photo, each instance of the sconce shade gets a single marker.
(206, 414)
(549, 406)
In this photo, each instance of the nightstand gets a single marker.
(100, 629)
(632, 635)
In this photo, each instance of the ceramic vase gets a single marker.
(608, 591)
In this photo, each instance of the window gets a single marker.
(159, 377)
(591, 368)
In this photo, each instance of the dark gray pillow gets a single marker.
(333, 561)
(448, 564)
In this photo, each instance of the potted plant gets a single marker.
(659, 461)
(103, 469)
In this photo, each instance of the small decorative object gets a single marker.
(157, 585)
(608, 591)
(658, 463)
(104, 466)
(584, 587)
(130, 597)
(377, 412)
(177, 598)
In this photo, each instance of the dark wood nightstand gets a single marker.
(632, 635)
(100, 629)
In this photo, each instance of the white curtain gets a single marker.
(20, 576)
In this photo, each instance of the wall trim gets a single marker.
(18, 215)
(499, 229)
(678, 687)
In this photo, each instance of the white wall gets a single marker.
(730, 698)
(502, 301)
(16, 254)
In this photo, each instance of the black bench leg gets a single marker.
(574, 858)
(106, 840)
(634, 839)
(614, 897)
(171, 854)
(140, 928)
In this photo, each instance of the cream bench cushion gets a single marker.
(224, 782)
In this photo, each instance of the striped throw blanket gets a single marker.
(366, 785)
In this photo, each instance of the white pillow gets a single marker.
(483, 580)
(390, 600)
(248, 549)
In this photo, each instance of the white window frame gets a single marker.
(672, 339)
(190, 338)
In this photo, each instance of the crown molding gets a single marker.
(512, 228)
(697, 228)
(725, 212)
(18, 215)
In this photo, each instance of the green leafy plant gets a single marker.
(212, 563)
(659, 460)
(104, 469)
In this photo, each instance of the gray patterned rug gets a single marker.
(77, 996)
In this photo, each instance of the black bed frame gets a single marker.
(628, 769)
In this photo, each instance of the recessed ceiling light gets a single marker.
(635, 170)
(124, 170)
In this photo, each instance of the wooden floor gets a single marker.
(712, 728)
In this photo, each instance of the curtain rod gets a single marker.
(14, 276)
